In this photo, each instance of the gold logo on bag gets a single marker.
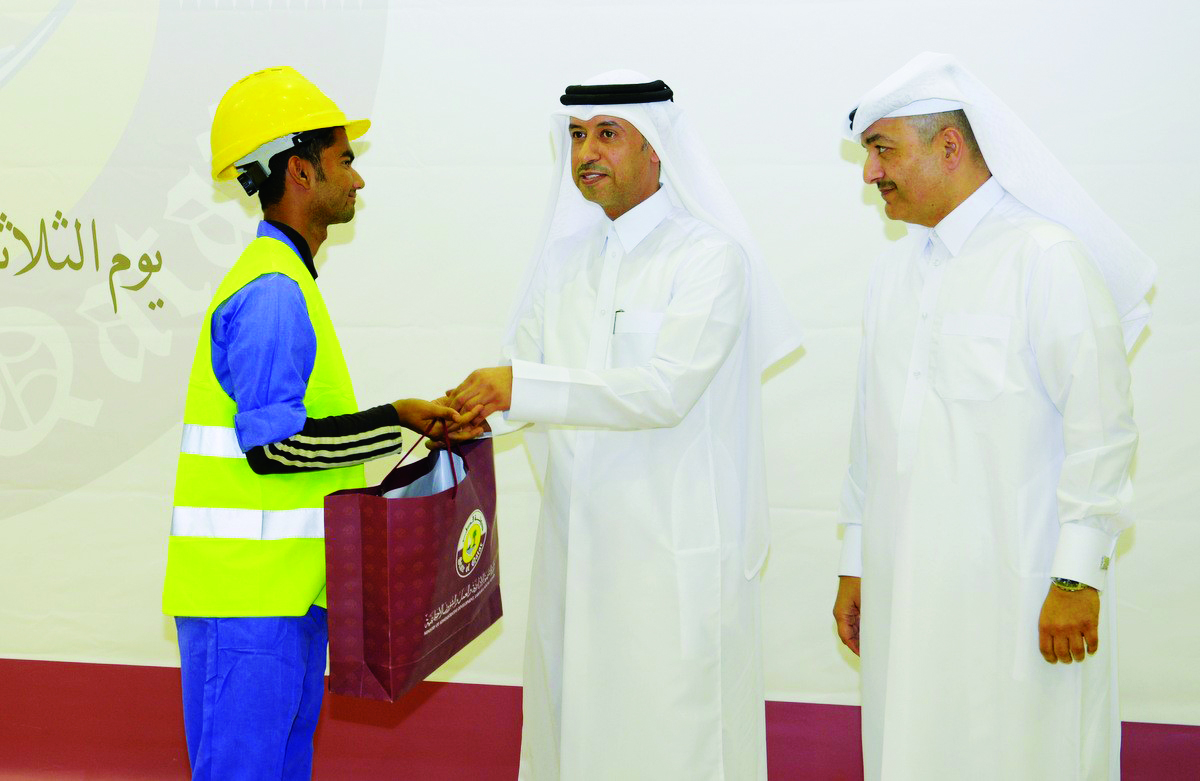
(470, 543)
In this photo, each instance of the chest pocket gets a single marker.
(972, 355)
(634, 337)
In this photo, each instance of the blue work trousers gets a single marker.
(252, 690)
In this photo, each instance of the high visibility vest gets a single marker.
(244, 544)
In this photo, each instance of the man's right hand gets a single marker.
(1069, 625)
(846, 609)
(490, 389)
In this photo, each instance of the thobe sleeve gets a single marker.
(1075, 335)
(854, 487)
(701, 325)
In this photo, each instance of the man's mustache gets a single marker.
(591, 167)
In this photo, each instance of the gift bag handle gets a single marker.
(445, 442)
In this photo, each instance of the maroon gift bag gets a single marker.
(410, 581)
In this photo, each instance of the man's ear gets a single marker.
(953, 147)
(300, 172)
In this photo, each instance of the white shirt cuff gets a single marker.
(1083, 554)
(851, 563)
(539, 392)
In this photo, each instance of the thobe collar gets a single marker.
(957, 226)
(273, 229)
(637, 223)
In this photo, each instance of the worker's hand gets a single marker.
(471, 431)
(1069, 625)
(438, 419)
(489, 389)
(846, 609)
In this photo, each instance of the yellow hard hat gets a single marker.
(267, 105)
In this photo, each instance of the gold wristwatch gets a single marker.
(1068, 585)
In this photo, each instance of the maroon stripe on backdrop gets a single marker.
(65, 720)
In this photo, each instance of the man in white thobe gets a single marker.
(639, 346)
(991, 446)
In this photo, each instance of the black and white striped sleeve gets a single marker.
(327, 443)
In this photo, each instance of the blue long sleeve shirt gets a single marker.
(263, 352)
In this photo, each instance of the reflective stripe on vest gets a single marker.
(240, 524)
(215, 441)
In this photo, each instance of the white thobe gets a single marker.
(991, 447)
(643, 651)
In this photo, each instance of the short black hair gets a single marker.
(309, 146)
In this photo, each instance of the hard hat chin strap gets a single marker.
(255, 168)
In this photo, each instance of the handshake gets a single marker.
(462, 413)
